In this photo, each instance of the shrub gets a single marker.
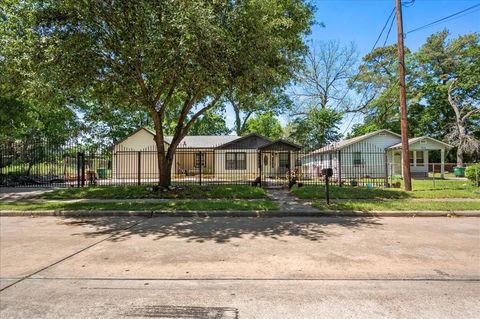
(473, 173)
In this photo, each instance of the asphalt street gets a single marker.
(239, 267)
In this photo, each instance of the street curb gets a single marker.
(204, 214)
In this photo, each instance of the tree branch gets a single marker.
(244, 122)
(163, 107)
(452, 102)
(469, 114)
(200, 112)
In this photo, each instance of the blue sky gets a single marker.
(360, 21)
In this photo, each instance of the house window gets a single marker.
(412, 158)
(419, 158)
(283, 160)
(199, 159)
(236, 161)
(357, 158)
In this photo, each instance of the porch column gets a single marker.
(442, 163)
(401, 162)
(392, 162)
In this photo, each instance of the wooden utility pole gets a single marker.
(403, 100)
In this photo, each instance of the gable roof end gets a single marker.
(418, 139)
(344, 143)
(133, 133)
(281, 141)
(242, 138)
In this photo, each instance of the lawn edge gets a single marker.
(237, 213)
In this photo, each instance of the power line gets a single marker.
(355, 78)
(383, 29)
(445, 18)
(388, 34)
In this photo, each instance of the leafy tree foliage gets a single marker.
(378, 84)
(265, 124)
(430, 73)
(245, 105)
(164, 57)
(319, 128)
(211, 123)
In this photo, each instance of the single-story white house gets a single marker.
(374, 155)
(216, 157)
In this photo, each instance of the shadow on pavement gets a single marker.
(222, 230)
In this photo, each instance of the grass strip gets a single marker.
(399, 205)
(135, 191)
(347, 192)
(200, 205)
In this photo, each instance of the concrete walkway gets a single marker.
(21, 193)
(287, 202)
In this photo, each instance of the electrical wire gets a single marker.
(445, 18)
(355, 78)
(383, 29)
(388, 34)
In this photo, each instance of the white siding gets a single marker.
(370, 162)
(372, 152)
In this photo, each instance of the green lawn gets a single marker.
(134, 191)
(399, 205)
(202, 205)
(421, 189)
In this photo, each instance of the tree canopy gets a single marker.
(319, 128)
(265, 124)
(162, 56)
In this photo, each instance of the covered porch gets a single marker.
(419, 156)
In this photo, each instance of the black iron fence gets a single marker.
(46, 164)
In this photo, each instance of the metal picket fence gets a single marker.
(47, 164)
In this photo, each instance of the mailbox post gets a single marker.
(327, 172)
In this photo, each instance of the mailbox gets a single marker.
(327, 172)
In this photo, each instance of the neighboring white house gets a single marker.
(374, 155)
(216, 157)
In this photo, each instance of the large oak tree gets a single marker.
(164, 56)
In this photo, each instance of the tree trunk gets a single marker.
(461, 142)
(164, 163)
(459, 157)
(238, 124)
(461, 138)
(238, 118)
(165, 173)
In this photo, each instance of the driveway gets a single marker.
(239, 267)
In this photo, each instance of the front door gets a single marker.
(267, 163)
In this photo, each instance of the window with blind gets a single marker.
(235, 161)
